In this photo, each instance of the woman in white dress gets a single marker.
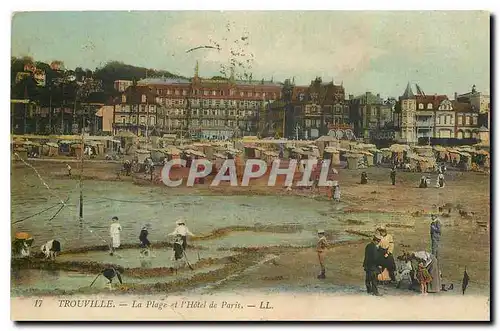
(114, 231)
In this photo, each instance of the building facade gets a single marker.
(370, 114)
(407, 117)
(467, 120)
(445, 120)
(136, 110)
(122, 85)
(434, 117)
(308, 112)
(209, 108)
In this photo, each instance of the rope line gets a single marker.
(40, 212)
(40, 177)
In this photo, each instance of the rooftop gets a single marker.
(163, 81)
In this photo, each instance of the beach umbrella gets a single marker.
(465, 281)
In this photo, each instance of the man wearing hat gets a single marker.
(321, 249)
(435, 235)
(182, 230)
(371, 265)
(387, 246)
(114, 231)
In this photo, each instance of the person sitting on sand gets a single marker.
(423, 182)
(364, 178)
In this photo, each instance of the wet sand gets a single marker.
(295, 216)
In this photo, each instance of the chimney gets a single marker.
(378, 95)
(456, 96)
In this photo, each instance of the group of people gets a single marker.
(179, 244)
(425, 181)
(421, 266)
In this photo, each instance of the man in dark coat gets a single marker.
(371, 265)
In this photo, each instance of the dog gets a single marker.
(51, 248)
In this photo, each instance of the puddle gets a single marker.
(26, 281)
(130, 258)
(136, 205)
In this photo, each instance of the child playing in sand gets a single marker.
(423, 277)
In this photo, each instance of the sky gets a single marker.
(442, 51)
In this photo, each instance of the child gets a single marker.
(423, 277)
(143, 237)
(178, 251)
(321, 249)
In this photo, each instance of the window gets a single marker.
(214, 93)
(124, 98)
(205, 92)
(151, 108)
(177, 92)
(263, 94)
(420, 106)
(152, 120)
(242, 94)
(452, 120)
(169, 92)
(467, 120)
(459, 120)
(438, 119)
(142, 119)
(429, 106)
(184, 92)
(143, 108)
(474, 120)
(143, 98)
(123, 118)
(257, 94)
(249, 94)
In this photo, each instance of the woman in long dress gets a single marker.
(432, 265)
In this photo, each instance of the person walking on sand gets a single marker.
(440, 180)
(371, 265)
(336, 192)
(435, 230)
(393, 175)
(321, 247)
(182, 230)
(114, 231)
(68, 167)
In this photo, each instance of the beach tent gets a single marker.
(50, 149)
